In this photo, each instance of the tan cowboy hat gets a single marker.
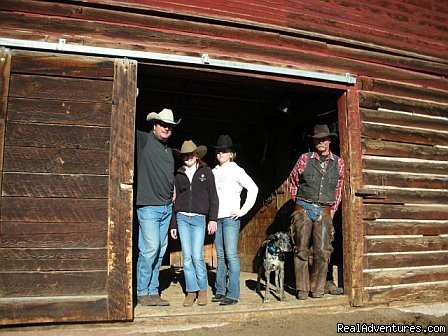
(322, 131)
(190, 147)
(166, 116)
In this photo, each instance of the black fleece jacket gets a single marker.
(199, 196)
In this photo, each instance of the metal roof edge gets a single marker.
(205, 59)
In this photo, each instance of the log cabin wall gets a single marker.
(397, 111)
(405, 176)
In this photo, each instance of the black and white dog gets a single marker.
(273, 253)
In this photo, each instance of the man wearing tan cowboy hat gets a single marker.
(155, 192)
(195, 211)
(316, 188)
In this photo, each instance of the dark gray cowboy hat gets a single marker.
(322, 131)
(166, 116)
(225, 143)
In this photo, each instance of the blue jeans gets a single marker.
(192, 233)
(313, 211)
(226, 244)
(152, 243)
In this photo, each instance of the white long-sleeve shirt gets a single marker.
(230, 180)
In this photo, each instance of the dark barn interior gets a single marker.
(268, 120)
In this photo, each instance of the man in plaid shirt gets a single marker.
(316, 188)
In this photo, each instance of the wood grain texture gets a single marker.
(377, 147)
(56, 160)
(299, 40)
(418, 293)
(65, 112)
(52, 259)
(410, 259)
(349, 130)
(408, 227)
(43, 210)
(121, 177)
(57, 136)
(53, 185)
(54, 309)
(375, 211)
(60, 88)
(53, 235)
(60, 65)
(404, 244)
(55, 283)
(408, 275)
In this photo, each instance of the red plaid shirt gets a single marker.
(299, 168)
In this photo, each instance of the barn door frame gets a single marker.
(352, 207)
(121, 177)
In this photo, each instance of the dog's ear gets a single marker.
(263, 245)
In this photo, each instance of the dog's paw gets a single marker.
(266, 300)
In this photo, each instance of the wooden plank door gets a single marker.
(67, 144)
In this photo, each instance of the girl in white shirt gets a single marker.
(230, 180)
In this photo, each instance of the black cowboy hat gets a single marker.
(224, 142)
(322, 131)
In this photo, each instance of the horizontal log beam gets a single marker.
(418, 293)
(374, 101)
(403, 134)
(411, 259)
(404, 244)
(398, 149)
(407, 275)
(408, 227)
(404, 165)
(405, 119)
(385, 211)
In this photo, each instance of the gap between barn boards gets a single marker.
(249, 307)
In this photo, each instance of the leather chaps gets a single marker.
(312, 249)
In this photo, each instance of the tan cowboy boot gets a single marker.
(189, 299)
(202, 298)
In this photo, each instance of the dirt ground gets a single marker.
(308, 323)
(316, 324)
(313, 317)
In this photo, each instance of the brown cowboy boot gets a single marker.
(331, 288)
(189, 299)
(158, 301)
(202, 298)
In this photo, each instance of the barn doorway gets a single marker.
(269, 119)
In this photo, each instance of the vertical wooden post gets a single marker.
(5, 70)
(120, 190)
(353, 232)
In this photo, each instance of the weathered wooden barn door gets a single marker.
(67, 144)
(404, 138)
